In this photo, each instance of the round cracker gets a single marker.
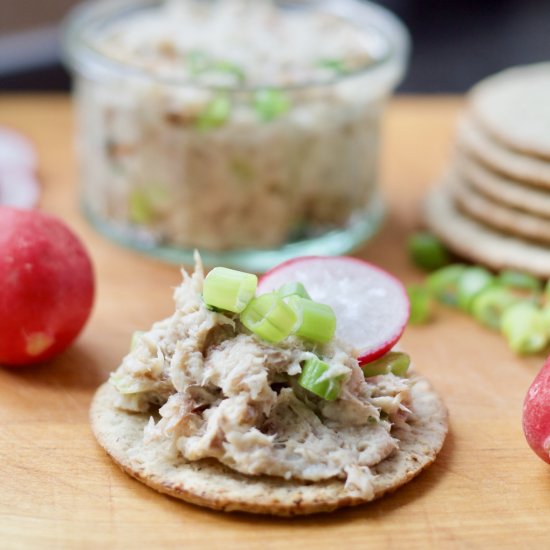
(211, 484)
(501, 189)
(513, 107)
(488, 212)
(471, 139)
(479, 243)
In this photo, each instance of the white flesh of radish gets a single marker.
(371, 306)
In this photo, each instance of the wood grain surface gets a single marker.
(58, 489)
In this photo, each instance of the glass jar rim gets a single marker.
(82, 56)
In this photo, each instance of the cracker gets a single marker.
(489, 212)
(501, 189)
(513, 106)
(472, 140)
(209, 483)
(478, 242)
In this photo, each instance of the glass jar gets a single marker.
(249, 170)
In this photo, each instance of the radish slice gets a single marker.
(371, 306)
(18, 187)
(16, 151)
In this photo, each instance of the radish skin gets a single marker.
(16, 151)
(536, 414)
(18, 187)
(47, 286)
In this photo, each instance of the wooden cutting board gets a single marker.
(58, 489)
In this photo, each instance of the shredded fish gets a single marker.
(225, 394)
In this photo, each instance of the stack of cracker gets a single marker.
(493, 205)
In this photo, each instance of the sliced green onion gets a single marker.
(229, 289)
(312, 380)
(140, 209)
(443, 283)
(229, 68)
(545, 312)
(315, 321)
(489, 305)
(271, 104)
(523, 325)
(420, 299)
(471, 283)
(269, 317)
(293, 289)
(145, 203)
(427, 251)
(519, 280)
(336, 65)
(395, 362)
(197, 62)
(215, 114)
(135, 339)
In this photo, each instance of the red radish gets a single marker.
(536, 414)
(371, 306)
(46, 286)
(18, 187)
(16, 150)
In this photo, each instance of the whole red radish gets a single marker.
(536, 414)
(16, 151)
(46, 286)
(18, 184)
(371, 306)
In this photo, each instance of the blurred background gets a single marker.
(456, 42)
